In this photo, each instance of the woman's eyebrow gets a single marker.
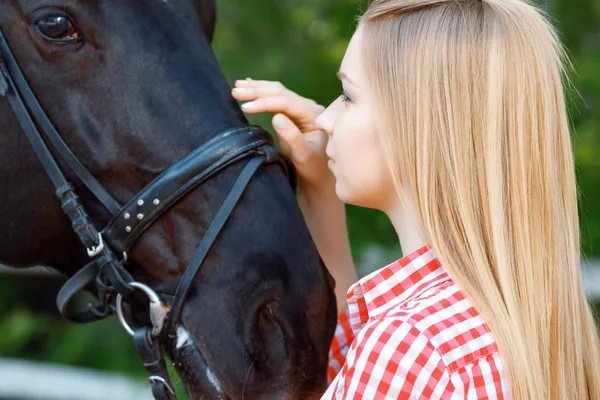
(343, 76)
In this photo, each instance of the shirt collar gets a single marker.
(392, 285)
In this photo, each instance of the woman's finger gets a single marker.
(291, 141)
(247, 94)
(274, 104)
(249, 83)
(300, 110)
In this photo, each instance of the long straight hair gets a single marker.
(473, 125)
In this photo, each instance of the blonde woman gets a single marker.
(452, 121)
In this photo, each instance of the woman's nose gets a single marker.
(325, 121)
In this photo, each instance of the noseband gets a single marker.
(108, 247)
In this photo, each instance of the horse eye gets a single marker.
(57, 28)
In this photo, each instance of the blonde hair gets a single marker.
(473, 125)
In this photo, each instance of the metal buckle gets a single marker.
(155, 378)
(95, 250)
(158, 311)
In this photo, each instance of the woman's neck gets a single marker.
(408, 226)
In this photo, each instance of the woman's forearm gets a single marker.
(325, 217)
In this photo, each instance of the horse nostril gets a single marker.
(271, 334)
(267, 310)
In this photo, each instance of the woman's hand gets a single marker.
(294, 122)
(304, 143)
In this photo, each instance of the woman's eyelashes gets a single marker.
(345, 98)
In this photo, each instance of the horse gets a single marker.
(131, 103)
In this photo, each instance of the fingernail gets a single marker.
(239, 90)
(249, 104)
(279, 121)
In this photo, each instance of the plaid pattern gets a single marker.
(409, 333)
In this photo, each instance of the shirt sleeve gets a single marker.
(340, 344)
(390, 359)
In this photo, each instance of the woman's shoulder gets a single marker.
(444, 317)
(440, 348)
(427, 342)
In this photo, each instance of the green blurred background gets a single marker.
(301, 44)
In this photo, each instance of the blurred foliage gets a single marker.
(301, 43)
(45, 336)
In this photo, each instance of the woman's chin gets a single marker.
(343, 193)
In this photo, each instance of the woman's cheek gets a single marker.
(353, 181)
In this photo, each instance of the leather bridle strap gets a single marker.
(18, 82)
(150, 351)
(12, 74)
(77, 283)
(209, 239)
(70, 203)
(166, 190)
(40, 148)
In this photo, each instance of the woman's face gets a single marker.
(356, 159)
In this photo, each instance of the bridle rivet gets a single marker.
(140, 216)
(140, 202)
(126, 216)
(128, 229)
(156, 202)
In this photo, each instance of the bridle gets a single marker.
(108, 247)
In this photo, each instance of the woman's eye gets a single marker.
(345, 98)
(57, 28)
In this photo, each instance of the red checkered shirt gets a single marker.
(409, 333)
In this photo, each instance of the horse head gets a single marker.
(133, 87)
